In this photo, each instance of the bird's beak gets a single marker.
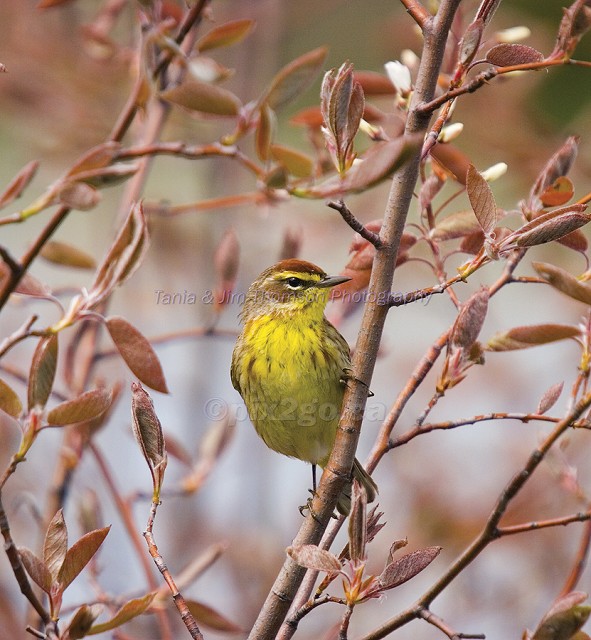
(332, 281)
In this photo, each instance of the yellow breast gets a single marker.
(290, 374)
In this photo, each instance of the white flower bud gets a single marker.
(513, 34)
(451, 132)
(495, 172)
(410, 59)
(399, 76)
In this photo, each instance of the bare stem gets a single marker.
(177, 597)
(354, 223)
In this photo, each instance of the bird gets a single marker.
(291, 366)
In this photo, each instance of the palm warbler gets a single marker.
(290, 366)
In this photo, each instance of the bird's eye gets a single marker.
(294, 283)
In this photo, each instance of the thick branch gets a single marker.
(338, 468)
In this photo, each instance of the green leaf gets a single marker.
(294, 78)
(211, 618)
(82, 621)
(80, 554)
(137, 352)
(85, 407)
(200, 96)
(564, 281)
(9, 401)
(297, 164)
(128, 611)
(67, 255)
(42, 372)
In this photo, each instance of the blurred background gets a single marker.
(61, 95)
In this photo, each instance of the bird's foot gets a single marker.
(348, 376)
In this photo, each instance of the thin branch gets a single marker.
(490, 530)
(417, 12)
(354, 223)
(581, 559)
(17, 567)
(544, 524)
(398, 300)
(125, 513)
(440, 624)
(420, 429)
(178, 599)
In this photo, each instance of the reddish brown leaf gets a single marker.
(42, 372)
(36, 568)
(374, 84)
(55, 545)
(531, 336)
(342, 104)
(96, 158)
(127, 612)
(558, 193)
(225, 35)
(564, 281)
(9, 401)
(470, 320)
(456, 225)
(482, 200)
(470, 42)
(200, 96)
(46, 4)
(294, 78)
(87, 406)
(226, 261)
(148, 433)
(79, 195)
(379, 162)
(449, 158)
(211, 618)
(407, 567)
(472, 243)
(297, 164)
(507, 55)
(312, 557)
(551, 395)
(123, 257)
(551, 226)
(137, 352)
(30, 286)
(80, 554)
(575, 240)
(19, 183)
(67, 255)
(109, 176)
(265, 131)
(558, 165)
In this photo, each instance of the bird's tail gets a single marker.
(365, 480)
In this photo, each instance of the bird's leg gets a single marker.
(348, 375)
